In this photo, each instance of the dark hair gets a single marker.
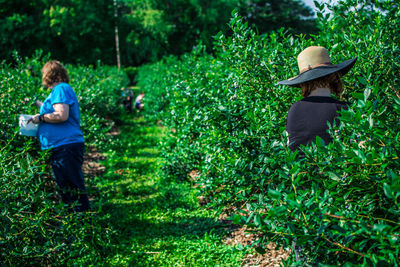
(332, 81)
(54, 72)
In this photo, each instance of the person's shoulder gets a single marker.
(298, 103)
(63, 92)
(63, 87)
(323, 99)
(295, 106)
(342, 104)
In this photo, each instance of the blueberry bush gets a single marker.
(340, 203)
(35, 228)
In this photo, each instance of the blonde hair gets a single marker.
(332, 81)
(54, 72)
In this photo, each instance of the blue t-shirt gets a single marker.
(68, 132)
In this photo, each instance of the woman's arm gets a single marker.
(60, 114)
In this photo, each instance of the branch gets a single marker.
(345, 248)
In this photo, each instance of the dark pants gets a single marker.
(128, 104)
(66, 161)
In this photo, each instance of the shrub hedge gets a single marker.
(227, 116)
(34, 227)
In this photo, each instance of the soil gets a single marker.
(272, 257)
(245, 236)
(91, 165)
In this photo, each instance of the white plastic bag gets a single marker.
(27, 129)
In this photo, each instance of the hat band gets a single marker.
(315, 66)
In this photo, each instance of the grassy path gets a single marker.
(155, 222)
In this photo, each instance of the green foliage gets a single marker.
(74, 31)
(227, 118)
(34, 228)
(174, 27)
(83, 32)
(132, 73)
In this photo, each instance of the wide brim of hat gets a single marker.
(319, 72)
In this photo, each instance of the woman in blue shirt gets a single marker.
(59, 130)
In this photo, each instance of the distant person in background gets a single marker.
(127, 94)
(139, 101)
(318, 79)
(59, 130)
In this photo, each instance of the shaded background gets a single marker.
(77, 31)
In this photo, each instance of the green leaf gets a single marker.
(397, 100)
(263, 141)
(360, 154)
(380, 227)
(319, 141)
(358, 95)
(260, 250)
(371, 121)
(257, 219)
(333, 176)
(387, 190)
(274, 193)
(367, 93)
(291, 227)
(362, 80)
(222, 108)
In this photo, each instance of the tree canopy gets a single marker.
(79, 31)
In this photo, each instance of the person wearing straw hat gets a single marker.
(318, 79)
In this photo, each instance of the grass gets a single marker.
(155, 222)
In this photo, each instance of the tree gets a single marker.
(77, 31)
(164, 27)
(268, 15)
(73, 31)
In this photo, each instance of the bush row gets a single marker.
(227, 116)
(34, 227)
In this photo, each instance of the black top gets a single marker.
(309, 118)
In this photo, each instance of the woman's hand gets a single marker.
(34, 119)
(60, 114)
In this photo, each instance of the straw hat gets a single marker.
(314, 62)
